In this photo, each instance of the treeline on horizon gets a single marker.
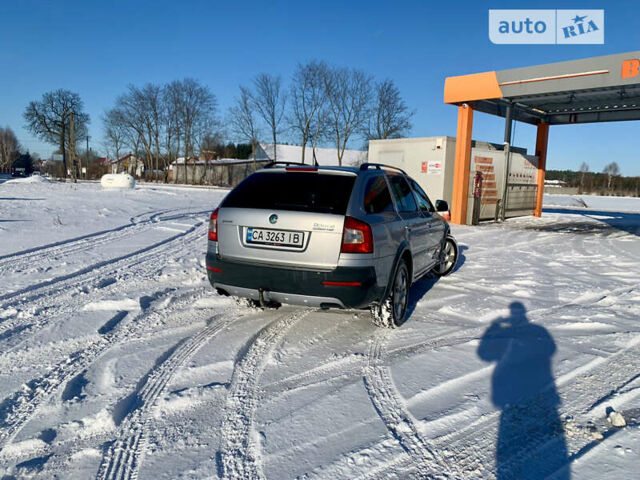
(318, 105)
(597, 183)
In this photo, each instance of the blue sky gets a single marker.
(97, 48)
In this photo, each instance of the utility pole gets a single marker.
(72, 149)
(86, 160)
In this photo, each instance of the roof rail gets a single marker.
(275, 164)
(379, 166)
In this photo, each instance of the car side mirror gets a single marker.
(442, 206)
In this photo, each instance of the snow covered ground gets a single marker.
(117, 360)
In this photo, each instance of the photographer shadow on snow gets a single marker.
(531, 442)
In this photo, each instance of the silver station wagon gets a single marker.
(328, 237)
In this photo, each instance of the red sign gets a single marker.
(630, 68)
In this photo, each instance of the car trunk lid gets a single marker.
(285, 218)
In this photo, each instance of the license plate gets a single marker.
(276, 238)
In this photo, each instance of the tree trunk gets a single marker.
(72, 149)
(157, 157)
(275, 150)
(175, 173)
(315, 143)
(186, 155)
(63, 136)
(253, 154)
(304, 146)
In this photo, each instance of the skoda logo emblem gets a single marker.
(273, 218)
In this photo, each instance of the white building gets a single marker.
(128, 164)
(323, 156)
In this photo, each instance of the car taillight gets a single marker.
(356, 237)
(213, 226)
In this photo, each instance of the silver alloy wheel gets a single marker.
(448, 258)
(400, 291)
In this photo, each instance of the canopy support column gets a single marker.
(542, 139)
(462, 165)
(508, 125)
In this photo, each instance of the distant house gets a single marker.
(323, 156)
(128, 164)
(555, 183)
(559, 187)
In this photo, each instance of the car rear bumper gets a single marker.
(349, 287)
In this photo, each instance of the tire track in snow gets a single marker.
(485, 452)
(238, 457)
(351, 366)
(395, 415)
(4, 259)
(123, 458)
(58, 298)
(64, 248)
(17, 409)
(472, 447)
(32, 293)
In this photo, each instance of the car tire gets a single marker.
(448, 258)
(391, 312)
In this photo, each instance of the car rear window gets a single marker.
(297, 191)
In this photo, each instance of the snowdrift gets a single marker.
(33, 179)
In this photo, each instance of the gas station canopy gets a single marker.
(598, 89)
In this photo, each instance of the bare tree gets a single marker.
(209, 151)
(349, 97)
(195, 107)
(172, 127)
(390, 116)
(174, 123)
(319, 129)
(115, 134)
(611, 170)
(308, 97)
(584, 168)
(8, 148)
(139, 111)
(243, 121)
(270, 100)
(49, 119)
